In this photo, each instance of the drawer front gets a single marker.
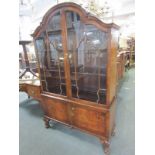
(56, 109)
(89, 120)
(33, 91)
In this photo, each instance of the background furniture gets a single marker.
(76, 55)
(30, 85)
(32, 89)
(131, 45)
(24, 62)
(122, 62)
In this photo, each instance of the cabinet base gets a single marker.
(105, 143)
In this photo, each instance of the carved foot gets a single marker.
(52, 123)
(46, 120)
(106, 147)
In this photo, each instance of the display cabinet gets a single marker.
(76, 55)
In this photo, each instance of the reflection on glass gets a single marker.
(87, 47)
(31, 57)
(22, 64)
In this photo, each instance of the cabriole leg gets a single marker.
(46, 120)
(106, 146)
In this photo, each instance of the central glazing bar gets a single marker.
(65, 49)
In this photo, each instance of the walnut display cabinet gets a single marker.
(76, 55)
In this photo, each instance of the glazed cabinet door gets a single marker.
(87, 53)
(50, 53)
(73, 58)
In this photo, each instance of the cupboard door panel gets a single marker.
(88, 120)
(56, 109)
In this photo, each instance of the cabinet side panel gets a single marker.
(112, 66)
(112, 117)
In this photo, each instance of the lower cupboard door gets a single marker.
(88, 120)
(56, 109)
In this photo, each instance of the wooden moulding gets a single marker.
(86, 17)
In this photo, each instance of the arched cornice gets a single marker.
(85, 16)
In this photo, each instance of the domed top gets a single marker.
(85, 16)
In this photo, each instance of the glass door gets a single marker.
(87, 54)
(51, 57)
(73, 58)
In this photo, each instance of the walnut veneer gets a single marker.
(76, 55)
